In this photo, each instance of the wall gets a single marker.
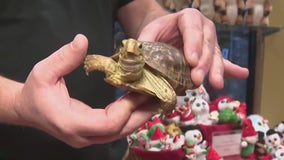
(272, 95)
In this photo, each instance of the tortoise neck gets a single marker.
(131, 67)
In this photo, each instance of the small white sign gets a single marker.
(227, 143)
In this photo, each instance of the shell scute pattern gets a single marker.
(168, 61)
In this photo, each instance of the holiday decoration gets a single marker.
(257, 12)
(249, 139)
(197, 125)
(273, 140)
(259, 123)
(280, 128)
(236, 12)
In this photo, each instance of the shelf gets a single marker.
(266, 30)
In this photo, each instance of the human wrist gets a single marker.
(9, 91)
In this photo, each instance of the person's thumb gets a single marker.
(64, 60)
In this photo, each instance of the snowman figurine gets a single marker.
(195, 136)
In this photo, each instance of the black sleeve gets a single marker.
(123, 2)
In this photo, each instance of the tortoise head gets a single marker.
(131, 60)
(132, 46)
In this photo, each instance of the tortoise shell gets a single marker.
(169, 61)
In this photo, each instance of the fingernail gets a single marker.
(219, 80)
(75, 41)
(200, 73)
(219, 77)
(199, 76)
(194, 59)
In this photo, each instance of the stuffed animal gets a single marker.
(220, 10)
(231, 15)
(280, 128)
(191, 94)
(201, 109)
(249, 139)
(194, 135)
(279, 153)
(259, 123)
(206, 7)
(273, 140)
(258, 12)
(227, 107)
(174, 5)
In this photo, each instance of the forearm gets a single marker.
(8, 91)
(139, 13)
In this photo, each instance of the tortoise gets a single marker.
(151, 68)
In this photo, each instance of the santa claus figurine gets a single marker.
(249, 139)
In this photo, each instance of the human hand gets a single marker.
(44, 103)
(193, 33)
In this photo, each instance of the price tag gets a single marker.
(227, 143)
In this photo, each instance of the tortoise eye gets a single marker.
(140, 46)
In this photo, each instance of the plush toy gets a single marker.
(229, 11)
(227, 107)
(267, 11)
(206, 7)
(273, 140)
(189, 150)
(242, 111)
(228, 116)
(220, 10)
(173, 117)
(213, 154)
(173, 130)
(249, 139)
(191, 94)
(170, 143)
(139, 138)
(261, 149)
(182, 115)
(258, 12)
(259, 123)
(174, 5)
(194, 134)
(187, 117)
(157, 136)
(201, 109)
(279, 153)
(231, 15)
(280, 128)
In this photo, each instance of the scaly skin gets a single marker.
(126, 70)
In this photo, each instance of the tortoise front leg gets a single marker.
(100, 63)
(161, 88)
